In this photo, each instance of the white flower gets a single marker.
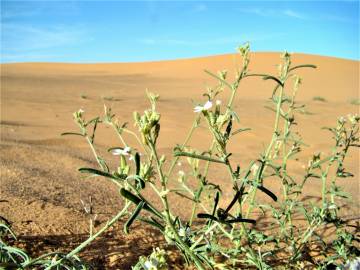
(123, 152)
(352, 265)
(179, 164)
(151, 264)
(206, 107)
(181, 173)
(198, 109)
(218, 102)
(81, 111)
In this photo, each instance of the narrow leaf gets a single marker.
(136, 200)
(302, 66)
(153, 223)
(240, 130)
(131, 197)
(72, 133)
(185, 154)
(218, 78)
(216, 201)
(236, 197)
(274, 79)
(137, 163)
(133, 217)
(97, 172)
(139, 181)
(96, 121)
(203, 215)
(246, 220)
(268, 192)
(185, 196)
(266, 77)
(228, 129)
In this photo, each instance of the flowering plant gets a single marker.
(231, 236)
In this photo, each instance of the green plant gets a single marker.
(355, 101)
(15, 258)
(229, 237)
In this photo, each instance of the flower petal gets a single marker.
(117, 152)
(208, 105)
(198, 109)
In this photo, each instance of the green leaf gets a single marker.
(185, 196)
(266, 77)
(97, 172)
(216, 201)
(233, 201)
(153, 223)
(268, 192)
(133, 217)
(93, 121)
(240, 130)
(219, 79)
(185, 154)
(245, 220)
(129, 196)
(96, 121)
(72, 133)
(228, 129)
(137, 163)
(269, 77)
(302, 66)
(207, 216)
(140, 182)
(136, 200)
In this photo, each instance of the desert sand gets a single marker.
(39, 178)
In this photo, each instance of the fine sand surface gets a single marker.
(39, 177)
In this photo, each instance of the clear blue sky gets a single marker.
(120, 31)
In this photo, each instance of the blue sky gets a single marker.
(121, 31)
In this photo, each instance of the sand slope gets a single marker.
(39, 175)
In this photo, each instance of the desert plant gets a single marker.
(230, 237)
(355, 101)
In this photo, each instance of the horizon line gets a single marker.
(175, 59)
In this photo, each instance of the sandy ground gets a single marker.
(39, 177)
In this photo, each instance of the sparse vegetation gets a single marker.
(110, 98)
(231, 236)
(318, 98)
(355, 101)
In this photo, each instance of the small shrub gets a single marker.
(229, 237)
(355, 101)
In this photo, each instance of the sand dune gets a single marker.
(39, 174)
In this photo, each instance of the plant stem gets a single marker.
(268, 151)
(175, 160)
(89, 240)
(169, 221)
